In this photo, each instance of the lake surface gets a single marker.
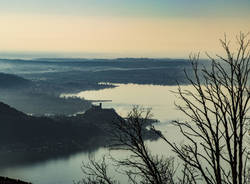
(65, 170)
(161, 99)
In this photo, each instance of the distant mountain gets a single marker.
(13, 81)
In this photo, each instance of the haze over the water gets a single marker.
(119, 28)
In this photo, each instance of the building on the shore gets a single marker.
(97, 107)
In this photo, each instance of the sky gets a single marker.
(119, 28)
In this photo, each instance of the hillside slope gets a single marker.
(13, 81)
(19, 128)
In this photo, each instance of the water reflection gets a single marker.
(63, 170)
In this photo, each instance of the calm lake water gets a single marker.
(160, 98)
(65, 170)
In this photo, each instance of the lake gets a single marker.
(160, 98)
(64, 170)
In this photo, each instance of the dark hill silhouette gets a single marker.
(97, 115)
(5, 180)
(16, 126)
(7, 111)
(13, 81)
(19, 128)
(27, 139)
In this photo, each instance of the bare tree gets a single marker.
(140, 166)
(215, 151)
(96, 172)
(217, 107)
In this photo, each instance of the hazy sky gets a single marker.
(115, 28)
